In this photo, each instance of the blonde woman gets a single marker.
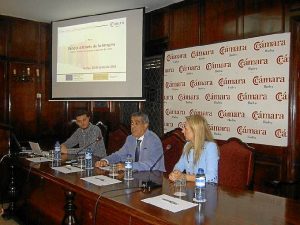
(200, 151)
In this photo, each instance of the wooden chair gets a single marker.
(236, 164)
(116, 139)
(173, 143)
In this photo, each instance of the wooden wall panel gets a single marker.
(23, 101)
(45, 43)
(220, 21)
(24, 40)
(3, 36)
(294, 156)
(3, 92)
(262, 17)
(52, 120)
(184, 26)
(158, 25)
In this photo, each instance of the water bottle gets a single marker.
(128, 168)
(57, 153)
(89, 159)
(200, 186)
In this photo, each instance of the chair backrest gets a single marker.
(236, 164)
(116, 139)
(173, 143)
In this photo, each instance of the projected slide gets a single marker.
(86, 53)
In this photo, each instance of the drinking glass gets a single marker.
(180, 187)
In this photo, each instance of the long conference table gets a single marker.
(48, 196)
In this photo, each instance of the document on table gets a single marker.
(106, 168)
(38, 159)
(169, 203)
(101, 180)
(67, 169)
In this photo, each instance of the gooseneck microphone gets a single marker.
(89, 144)
(151, 184)
(168, 148)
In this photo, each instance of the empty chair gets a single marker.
(236, 164)
(173, 143)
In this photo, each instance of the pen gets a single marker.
(170, 201)
(99, 178)
(68, 168)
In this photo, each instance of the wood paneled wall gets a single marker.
(26, 44)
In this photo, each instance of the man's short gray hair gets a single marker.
(144, 116)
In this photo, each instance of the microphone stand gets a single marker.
(10, 210)
(88, 145)
(151, 184)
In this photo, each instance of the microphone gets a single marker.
(168, 148)
(151, 184)
(89, 144)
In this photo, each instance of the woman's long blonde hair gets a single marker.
(202, 133)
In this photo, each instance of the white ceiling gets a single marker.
(52, 10)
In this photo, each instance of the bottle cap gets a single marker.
(200, 171)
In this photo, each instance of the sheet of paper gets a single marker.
(38, 159)
(169, 203)
(67, 169)
(107, 168)
(101, 180)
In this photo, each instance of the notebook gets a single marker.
(36, 149)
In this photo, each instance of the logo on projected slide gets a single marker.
(202, 113)
(186, 97)
(213, 65)
(281, 133)
(174, 112)
(282, 59)
(216, 97)
(268, 44)
(259, 115)
(117, 24)
(245, 130)
(201, 54)
(175, 57)
(230, 114)
(281, 96)
(184, 68)
(232, 49)
(251, 97)
(224, 81)
(175, 84)
(199, 83)
(169, 70)
(252, 62)
(265, 80)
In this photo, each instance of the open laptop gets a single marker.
(36, 149)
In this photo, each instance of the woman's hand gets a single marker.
(174, 175)
(101, 163)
